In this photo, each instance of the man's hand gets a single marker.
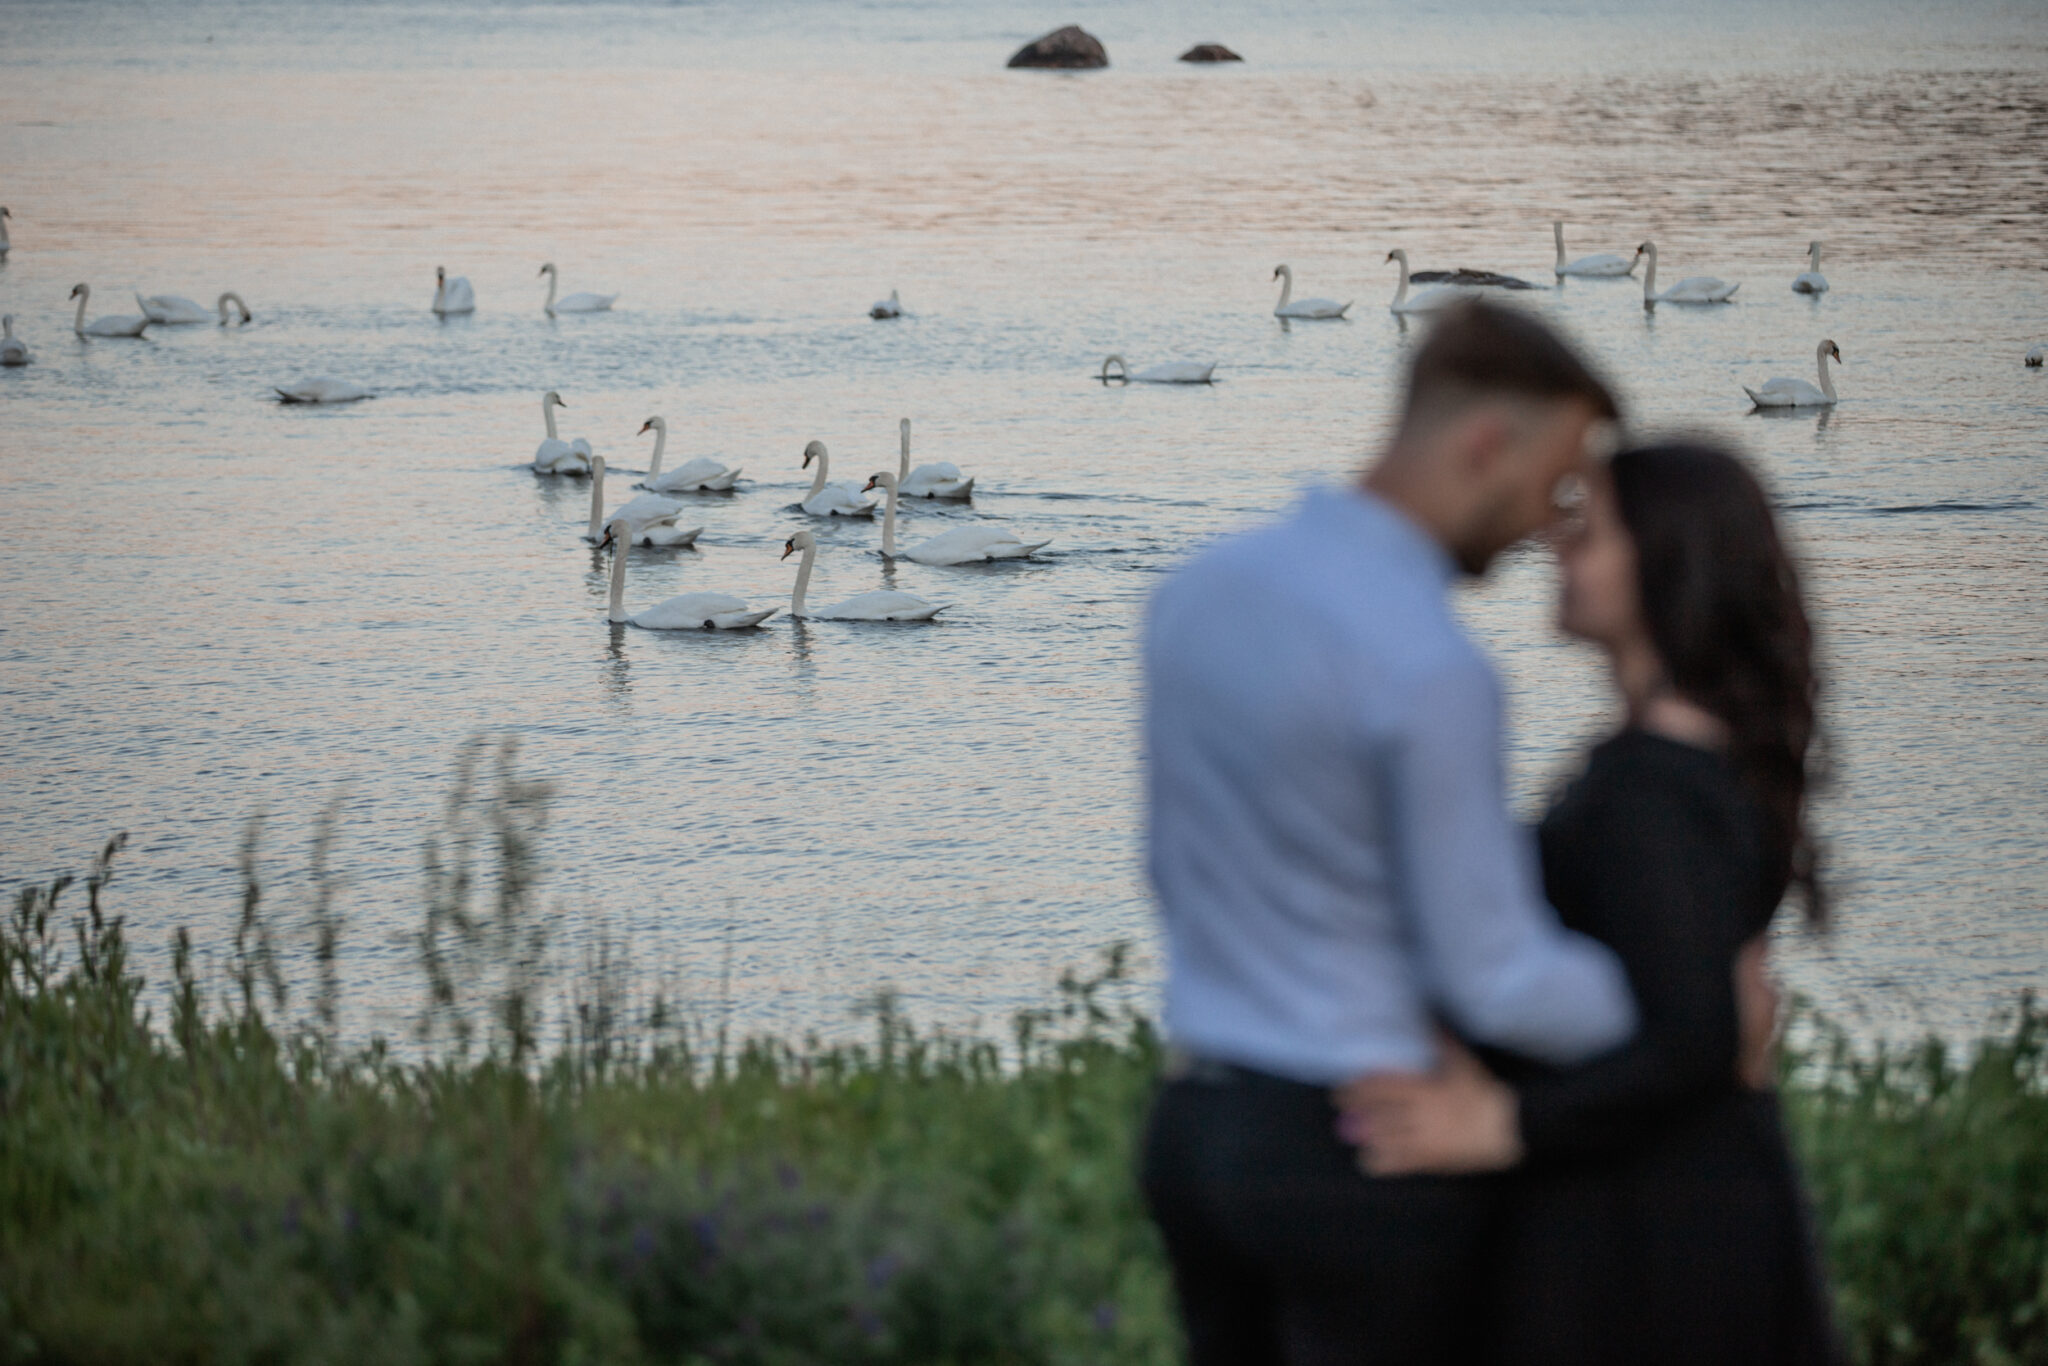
(1757, 1010)
(1459, 1119)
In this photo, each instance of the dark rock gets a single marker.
(1210, 52)
(1070, 48)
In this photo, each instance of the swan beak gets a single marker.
(788, 549)
(645, 428)
(1390, 256)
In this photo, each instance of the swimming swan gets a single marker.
(684, 611)
(14, 351)
(1430, 298)
(113, 325)
(935, 479)
(323, 389)
(171, 308)
(1693, 289)
(891, 307)
(1290, 307)
(649, 518)
(2035, 355)
(698, 475)
(452, 296)
(556, 456)
(962, 545)
(1606, 265)
(831, 500)
(1797, 393)
(883, 604)
(1169, 372)
(574, 303)
(1810, 280)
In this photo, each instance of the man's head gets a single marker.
(1495, 424)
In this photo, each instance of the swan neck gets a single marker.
(547, 414)
(549, 306)
(903, 464)
(803, 581)
(1827, 381)
(1401, 291)
(1557, 231)
(1286, 286)
(660, 444)
(889, 524)
(616, 611)
(78, 323)
(596, 502)
(1650, 275)
(818, 479)
(230, 297)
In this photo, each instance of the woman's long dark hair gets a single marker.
(1721, 597)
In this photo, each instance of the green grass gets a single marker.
(190, 1176)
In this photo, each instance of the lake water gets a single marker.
(217, 605)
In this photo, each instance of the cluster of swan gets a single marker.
(453, 295)
(556, 456)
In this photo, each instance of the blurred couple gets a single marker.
(1434, 1095)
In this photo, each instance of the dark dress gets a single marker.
(1658, 1218)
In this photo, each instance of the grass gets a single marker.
(205, 1175)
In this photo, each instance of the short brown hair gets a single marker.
(1483, 349)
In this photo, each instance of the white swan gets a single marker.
(1810, 280)
(1693, 289)
(935, 479)
(831, 500)
(1606, 265)
(112, 325)
(322, 389)
(699, 475)
(649, 518)
(573, 303)
(173, 308)
(883, 604)
(961, 545)
(1428, 299)
(4, 216)
(556, 456)
(891, 307)
(2035, 355)
(684, 611)
(14, 351)
(1797, 393)
(452, 296)
(1291, 307)
(1168, 372)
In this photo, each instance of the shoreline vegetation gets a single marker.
(193, 1174)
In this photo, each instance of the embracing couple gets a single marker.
(1436, 1095)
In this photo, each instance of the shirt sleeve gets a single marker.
(1494, 958)
(1668, 889)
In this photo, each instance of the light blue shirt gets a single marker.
(1329, 836)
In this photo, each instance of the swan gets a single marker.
(323, 389)
(962, 545)
(1797, 393)
(891, 307)
(574, 303)
(684, 611)
(1171, 372)
(883, 604)
(172, 308)
(698, 475)
(649, 518)
(556, 456)
(4, 216)
(2034, 356)
(113, 325)
(1605, 265)
(1428, 299)
(937, 479)
(14, 351)
(1810, 280)
(831, 500)
(452, 296)
(1693, 289)
(1290, 307)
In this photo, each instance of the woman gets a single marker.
(1656, 1216)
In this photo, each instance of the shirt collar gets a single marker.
(1364, 513)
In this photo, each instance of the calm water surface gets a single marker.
(217, 605)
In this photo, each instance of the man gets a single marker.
(1337, 872)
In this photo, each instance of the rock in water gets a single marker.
(1069, 48)
(1210, 52)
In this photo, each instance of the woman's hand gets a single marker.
(1759, 1013)
(1458, 1120)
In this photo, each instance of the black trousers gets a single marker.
(1283, 1252)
